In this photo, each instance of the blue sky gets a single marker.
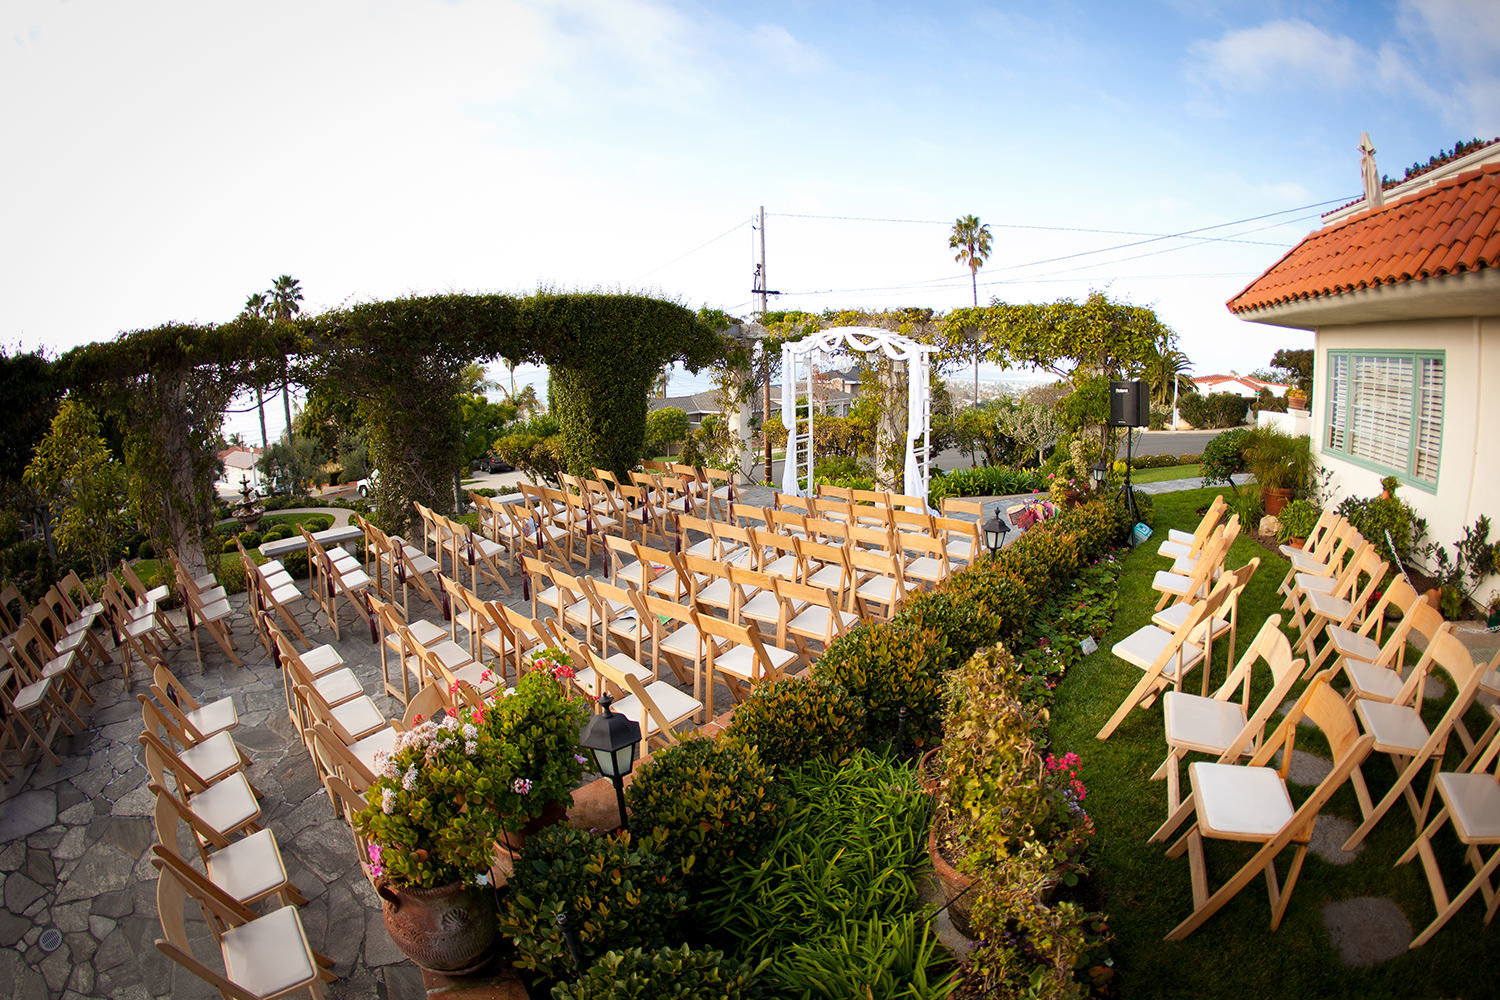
(165, 159)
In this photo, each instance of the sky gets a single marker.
(165, 159)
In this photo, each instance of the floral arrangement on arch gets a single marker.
(449, 788)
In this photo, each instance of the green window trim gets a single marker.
(1384, 410)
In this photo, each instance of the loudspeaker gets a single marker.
(1129, 404)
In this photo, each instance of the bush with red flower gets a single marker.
(449, 788)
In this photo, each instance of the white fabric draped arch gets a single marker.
(797, 359)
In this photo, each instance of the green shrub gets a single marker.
(666, 974)
(277, 532)
(1298, 519)
(146, 550)
(704, 801)
(1161, 461)
(227, 546)
(231, 573)
(1249, 506)
(799, 719)
(1217, 409)
(1224, 456)
(832, 901)
(1159, 417)
(890, 666)
(295, 564)
(1377, 517)
(318, 522)
(992, 480)
(617, 895)
(250, 539)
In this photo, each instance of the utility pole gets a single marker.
(765, 357)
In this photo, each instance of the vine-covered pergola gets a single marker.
(400, 361)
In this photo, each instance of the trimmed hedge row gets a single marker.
(989, 481)
(904, 663)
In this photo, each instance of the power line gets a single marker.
(731, 229)
(1190, 234)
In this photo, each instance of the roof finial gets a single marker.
(1374, 194)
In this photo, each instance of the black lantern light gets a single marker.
(615, 741)
(1100, 472)
(995, 530)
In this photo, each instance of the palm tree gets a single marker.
(1167, 373)
(286, 299)
(257, 308)
(971, 239)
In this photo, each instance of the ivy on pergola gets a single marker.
(401, 361)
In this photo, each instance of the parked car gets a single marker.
(494, 463)
(368, 483)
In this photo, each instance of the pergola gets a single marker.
(798, 359)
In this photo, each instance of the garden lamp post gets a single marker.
(615, 742)
(1099, 472)
(995, 530)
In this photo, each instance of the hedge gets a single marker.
(904, 662)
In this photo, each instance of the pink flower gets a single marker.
(521, 786)
(453, 688)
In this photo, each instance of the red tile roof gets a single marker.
(1451, 227)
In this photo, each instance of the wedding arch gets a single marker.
(798, 360)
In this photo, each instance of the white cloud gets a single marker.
(1457, 44)
(784, 51)
(1287, 54)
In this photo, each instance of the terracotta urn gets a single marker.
(955, 884)
(449, 929)
(552, 814)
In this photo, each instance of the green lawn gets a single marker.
(1193, 471)
(1235, 955)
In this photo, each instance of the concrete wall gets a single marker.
(1469, 468)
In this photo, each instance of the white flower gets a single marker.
(471, 748)
(387, 800)
(409, 780)
(471, 732)
(483, 878)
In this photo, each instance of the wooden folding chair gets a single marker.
(1375, 669)
(1327, 521)
(199, 721)
(155, 595)
(755, 600)
(709, 588)
(1225, 621)
(721, 491)
(963, 538)
(263, 956)
(738, 656)
(1222, 724)
(1188, 583)
(247, 870)
(1163, 657)
(228, 806)
(273, 589)
(827, 566)
(931, 565)
(878, 580)
(30, 643)
(705, 545)
(657, 707)
(1189, 543)
(210, 759)
(207, 610)
(139, 629)
(1399, 731)
(1250, 803)
(619, 618)
(10, 594)
(1344, 606)
(674, 635)
(488, 634)
(735, 546)
(777, 554)
(334, 574)
(1337, 546)
(809, 613)
(1471, 801)
(662, 572)
(33, 712)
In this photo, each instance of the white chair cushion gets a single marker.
(686, 641)
(1348, 643)
(738, 661)
(248, 867)
(1474, 802)
(1142, 647)
(1396, 728)
(214, 717)
(227, 804)
(211, 758)
(1173, 549)
(1328, 606)
(359, 717)
(1312, 583)
(378, 744)
(1179, 536)
(321, 659)
(1370, 681)
(1203, 724)
(269, 955)
(673, 704)
(1173, 616)
(1239, 803)
(338, 686)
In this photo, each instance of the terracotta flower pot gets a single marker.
(449, 929)
(1276, 498)
(552, 814)
(927, 770)
(955, 884)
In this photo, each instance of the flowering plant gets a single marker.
(448, 789)
(1059, 486)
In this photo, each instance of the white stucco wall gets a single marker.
(1469, 470)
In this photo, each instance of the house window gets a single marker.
(1386, 410)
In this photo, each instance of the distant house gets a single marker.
(1241, 385)
(1402, 292)
(239, 461)
(832, 401)
(697, 406)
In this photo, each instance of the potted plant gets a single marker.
(1298, 519)
(1280, 464)
(446, 793)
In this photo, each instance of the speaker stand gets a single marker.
(1127, 489)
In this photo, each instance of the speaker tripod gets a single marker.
(1127, 489)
